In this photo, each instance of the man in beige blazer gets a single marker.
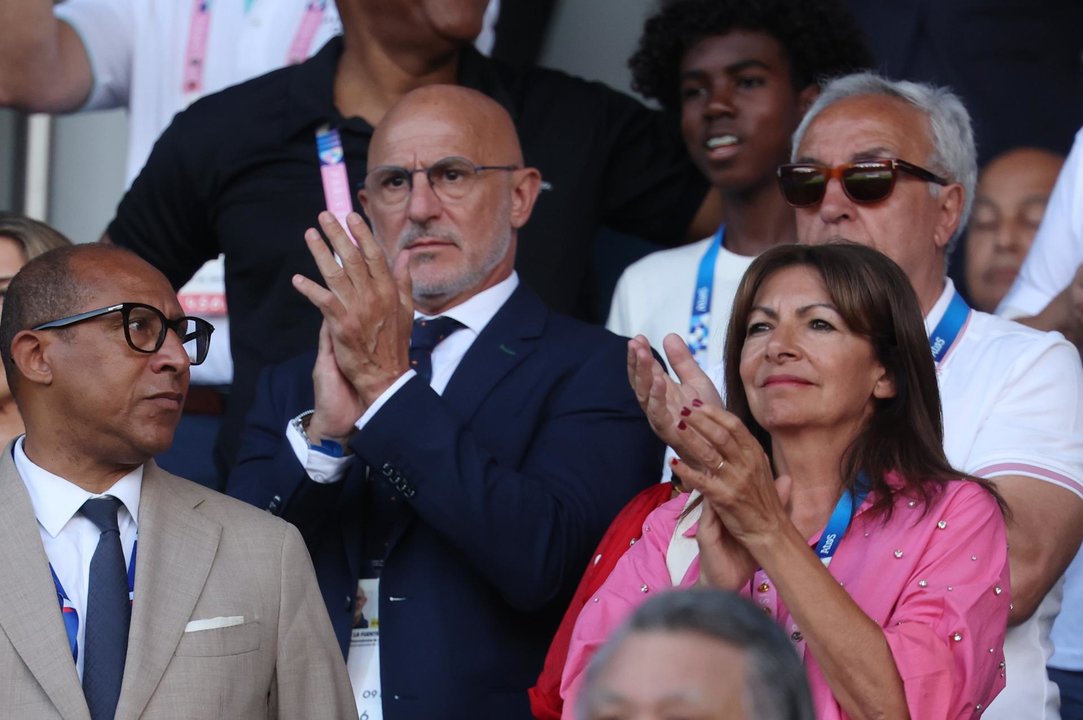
(226, 619)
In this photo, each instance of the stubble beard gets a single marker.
(436, 290)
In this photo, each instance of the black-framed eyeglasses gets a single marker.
(451, 178)
(865, 181)
(145, 327)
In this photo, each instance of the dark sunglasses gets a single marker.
(866, 181)
(145, 328)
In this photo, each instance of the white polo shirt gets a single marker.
(1013, 405)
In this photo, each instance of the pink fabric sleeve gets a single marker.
(642, 566)
(947, 630)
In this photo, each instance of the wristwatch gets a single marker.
(325, 446)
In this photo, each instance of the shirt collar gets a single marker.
(476, 311)
(940, 307)
(56, 500)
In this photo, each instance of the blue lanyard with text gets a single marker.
(947, 330)
(840, 519)
(71, 615)
(699, 325)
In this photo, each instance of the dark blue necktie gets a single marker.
(108, 612)
(427, 334)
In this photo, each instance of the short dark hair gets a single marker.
(874, 297)
(34, 236)
(45, 289)
(820, 37)
(775, 682)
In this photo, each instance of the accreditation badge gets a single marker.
(363, 660)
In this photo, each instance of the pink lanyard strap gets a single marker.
(336, 184)
(200, 29)
(198, 32)
(302, 39)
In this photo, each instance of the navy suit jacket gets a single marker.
(508, 480)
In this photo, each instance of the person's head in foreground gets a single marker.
(889, 164)
(740, 75)
(97, 352)
(446, 185)
(699, 653)
(1013, 189)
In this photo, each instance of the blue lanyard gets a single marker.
(699, 326)
(947, 330)
(840, 519)
(71, 615)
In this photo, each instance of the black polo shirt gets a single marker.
(237, 173)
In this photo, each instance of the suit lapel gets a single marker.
(29, 610)
(177, 546)
(504, 343)
(507, 340)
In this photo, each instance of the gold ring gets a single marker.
(720, 464)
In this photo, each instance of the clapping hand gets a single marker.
(367, 318)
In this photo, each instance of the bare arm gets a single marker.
(43, 64)
(1044, 532)
(1063, 313)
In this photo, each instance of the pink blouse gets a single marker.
(936, 583)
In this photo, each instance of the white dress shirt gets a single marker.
(69, 538)
(474, 314)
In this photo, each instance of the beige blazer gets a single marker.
(267, 650)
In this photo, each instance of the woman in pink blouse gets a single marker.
(823, 494)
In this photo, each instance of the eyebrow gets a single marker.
(736, 67)
(803, 310)
(876, 153)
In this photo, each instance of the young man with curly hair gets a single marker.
(739, 75)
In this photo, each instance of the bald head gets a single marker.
(473, 118)
(446, 186)
(1013, 189)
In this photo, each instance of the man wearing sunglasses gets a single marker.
(459, 477)
(892, 165)
(128, 591)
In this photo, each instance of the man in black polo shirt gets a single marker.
(239, 172)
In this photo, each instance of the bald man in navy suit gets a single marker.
(463, 479)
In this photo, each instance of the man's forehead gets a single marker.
(864, 127)
(115, 278)
(422, 143)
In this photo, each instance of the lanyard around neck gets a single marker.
(951, 324)
(199, 30)
(71, 615)
(699, 326)
(840, 520)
